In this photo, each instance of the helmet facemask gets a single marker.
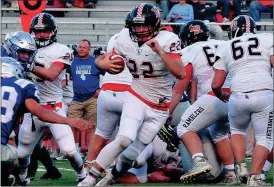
(43, 41)
(142, 32)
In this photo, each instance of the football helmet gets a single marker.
(240, 25)
(74, 49)
(143, 23)
(8, 35)
(44, 22)
(11, 68)
(21, 42)
(192, 32)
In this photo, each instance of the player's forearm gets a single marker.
(50, 116)
(44, 73)
(174, 66)
(177, 93)
(218, 92)
(193, 91)
(44, 114)
(176, 97)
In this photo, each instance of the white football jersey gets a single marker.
(202, 57)
(55, 52)
(124, 77)
(247, 59)
(151, 79)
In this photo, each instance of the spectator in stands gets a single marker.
(207, 12)
(181, 13)
(85, 79)
(6, 3)
(204, 10)
(256, 7)
(68, 3)
(90, 3)
(166, 6)
(226, 5)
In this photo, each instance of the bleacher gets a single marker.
(96, 25)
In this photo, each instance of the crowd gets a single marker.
(73, 83)
(181, 11)
(57, 3)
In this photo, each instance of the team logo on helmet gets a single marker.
(196, 29)
(156, 11)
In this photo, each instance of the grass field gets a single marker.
(69, 178)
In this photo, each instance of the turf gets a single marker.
(69, 178)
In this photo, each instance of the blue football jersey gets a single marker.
(4, 52)
(14, 93)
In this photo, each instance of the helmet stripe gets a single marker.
(247, 21)
(40, 19)
(140, 10)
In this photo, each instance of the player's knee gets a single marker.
(123, 141)
(23, 152)
(103, 134)
(235, 131)
(182, 128)
(68, 150)
(217, 137)
(264, 141)
(70, 154)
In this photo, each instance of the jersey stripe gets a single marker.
(22, 83)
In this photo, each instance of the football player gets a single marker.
(109, 106)
(248, 58)
(151, 56)
(21, 46)
(48, 68)
(20, 96)
(207, 110)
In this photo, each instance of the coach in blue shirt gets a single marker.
(85, 77)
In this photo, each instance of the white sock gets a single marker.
(267, 166)
(229, 167)
(197, 154)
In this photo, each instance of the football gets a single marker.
(121, 62)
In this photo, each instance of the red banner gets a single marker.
(30, 8)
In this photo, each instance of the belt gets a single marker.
(115, 87)
(52, 105)
(256, 90)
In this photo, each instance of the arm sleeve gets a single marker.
(187, 55)
(31, 92)
(171, 12)
(172, 44)
(66, 56)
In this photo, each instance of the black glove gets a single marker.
(29, 66)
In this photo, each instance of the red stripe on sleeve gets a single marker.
(189, 71)
(174, 55)
(60, 64)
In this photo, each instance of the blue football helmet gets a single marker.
(21, 42)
